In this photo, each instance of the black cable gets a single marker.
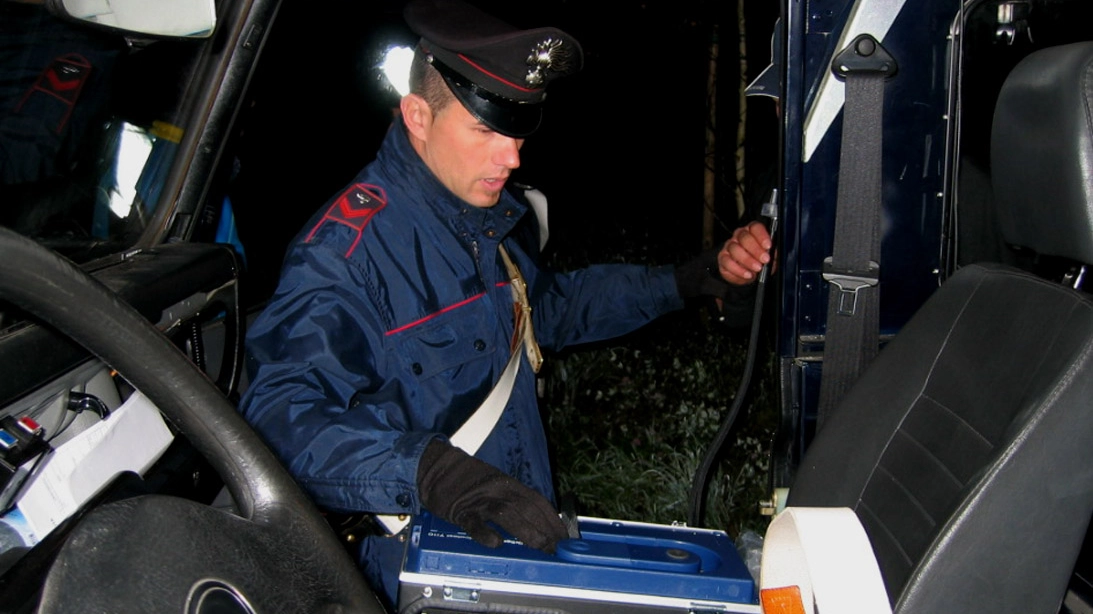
(702, 475)
(21, 479)
(81, 401)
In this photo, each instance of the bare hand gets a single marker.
(744, 254)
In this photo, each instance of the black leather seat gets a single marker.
(966, 449)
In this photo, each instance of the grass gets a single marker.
(631, 422)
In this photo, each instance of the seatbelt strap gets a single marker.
(852, 338)
(470, 436)
(474, 431)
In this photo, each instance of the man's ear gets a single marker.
(416, 114)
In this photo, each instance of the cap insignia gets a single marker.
(548, 54)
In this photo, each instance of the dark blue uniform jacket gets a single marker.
(392, 321)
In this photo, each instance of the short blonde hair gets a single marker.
(426, 81)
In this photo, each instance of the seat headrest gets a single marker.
(1042, 153)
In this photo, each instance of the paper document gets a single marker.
(131, 438)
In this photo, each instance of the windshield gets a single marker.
(89, 126)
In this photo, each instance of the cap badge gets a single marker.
(547, 54)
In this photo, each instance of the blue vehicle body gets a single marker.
(914, 162)
(936, 213)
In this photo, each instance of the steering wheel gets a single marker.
(155, 553)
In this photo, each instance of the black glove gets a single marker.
(700, 277)
(470, 493)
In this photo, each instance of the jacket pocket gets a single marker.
(452, 338)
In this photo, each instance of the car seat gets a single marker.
(966, 449)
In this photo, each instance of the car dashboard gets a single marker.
(79, 434)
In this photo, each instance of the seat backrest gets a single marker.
(966, 449)
(1042, 153)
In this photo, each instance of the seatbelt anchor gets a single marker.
(849, 281)
(864, 55)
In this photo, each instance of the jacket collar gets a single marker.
(403, 165)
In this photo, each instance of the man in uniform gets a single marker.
(402, 301)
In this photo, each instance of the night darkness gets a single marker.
(620, 154)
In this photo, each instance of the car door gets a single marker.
(114, 153)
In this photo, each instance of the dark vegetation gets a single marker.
(631, 421)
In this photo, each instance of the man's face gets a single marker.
(469, 158)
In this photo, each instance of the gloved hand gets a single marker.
(700, 277)
(470, 493)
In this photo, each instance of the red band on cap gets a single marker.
(488, 73)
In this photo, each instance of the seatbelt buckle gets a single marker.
(849, 281)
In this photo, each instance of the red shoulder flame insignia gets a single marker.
(353, 208)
